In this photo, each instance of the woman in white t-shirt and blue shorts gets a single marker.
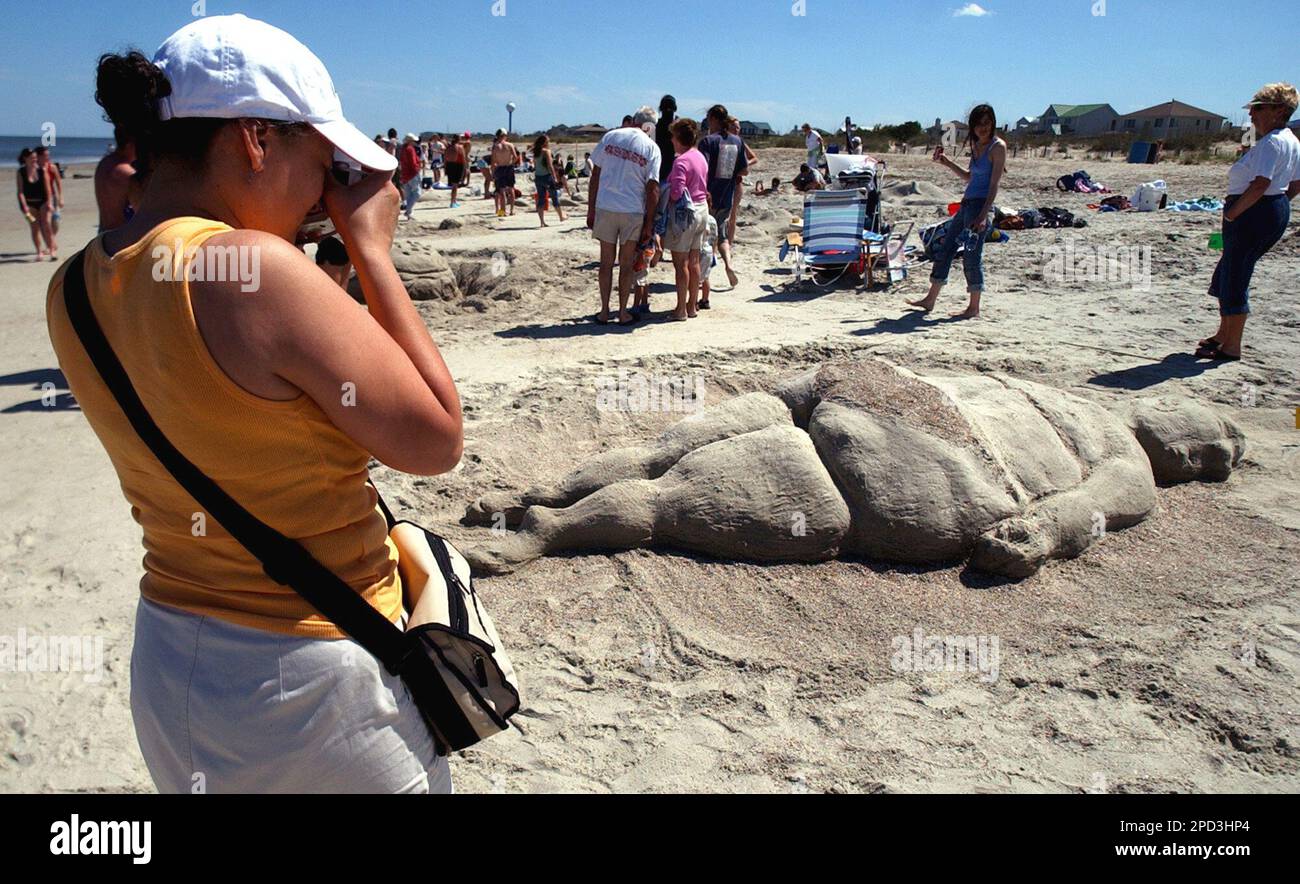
(1261, 186)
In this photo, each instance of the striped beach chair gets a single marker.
(832, 236)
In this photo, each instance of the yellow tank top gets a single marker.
(282, 460)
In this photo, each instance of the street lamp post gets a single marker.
(510, 120)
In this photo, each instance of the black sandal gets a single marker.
(1214, 354)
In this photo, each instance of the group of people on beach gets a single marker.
(40, 199)
(663, 184)
(422, 163)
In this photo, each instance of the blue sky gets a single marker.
(452, 64)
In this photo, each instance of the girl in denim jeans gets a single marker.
(988, 159)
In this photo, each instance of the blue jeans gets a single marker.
(410, 195)
(547, 185)
(972, 258)
(1244, 242)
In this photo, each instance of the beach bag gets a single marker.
(933, 236)
(1055, 217)
(449, 657)
(1150, 196)
(1119, 202)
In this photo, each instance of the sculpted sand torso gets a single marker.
(863, 458)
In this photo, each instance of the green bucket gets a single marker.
(1216, 241)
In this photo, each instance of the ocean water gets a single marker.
(67, 151)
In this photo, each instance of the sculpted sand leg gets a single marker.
(761, 496)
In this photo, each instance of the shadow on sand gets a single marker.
(49, 382)
(1140, 377)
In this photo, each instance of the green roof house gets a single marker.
(1083, 120)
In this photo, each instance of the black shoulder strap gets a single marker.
(284, 560)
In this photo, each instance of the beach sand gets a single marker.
(1163, 659)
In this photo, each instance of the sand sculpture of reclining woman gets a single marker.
(858, 458)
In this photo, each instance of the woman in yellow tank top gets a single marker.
(266, 375)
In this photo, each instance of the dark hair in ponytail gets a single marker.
(128, 88)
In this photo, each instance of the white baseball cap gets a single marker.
(232, 66)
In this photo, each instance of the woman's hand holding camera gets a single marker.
(365, 214)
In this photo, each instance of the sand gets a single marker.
(1164, 659)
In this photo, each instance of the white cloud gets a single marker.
(972, 9)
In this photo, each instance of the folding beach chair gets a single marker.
(890, 250)
(832, 236)
(858, 172)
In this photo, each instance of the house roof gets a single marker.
(754, 124)
(1173, 108)
(1066, 111)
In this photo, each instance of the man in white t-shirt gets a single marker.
(813, 141)
(621, 203)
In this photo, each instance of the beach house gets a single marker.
(1083, 120)
(1170, 119)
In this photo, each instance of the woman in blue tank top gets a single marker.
(988, 159)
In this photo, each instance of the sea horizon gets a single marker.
(69, 150)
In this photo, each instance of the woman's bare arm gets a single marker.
(375, 373)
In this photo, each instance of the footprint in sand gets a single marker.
(16, 722)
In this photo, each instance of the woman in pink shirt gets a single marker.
(688, 211)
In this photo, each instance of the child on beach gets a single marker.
(707, 259)
(646, 258)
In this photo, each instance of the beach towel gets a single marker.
(1201, 204)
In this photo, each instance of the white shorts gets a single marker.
(706, 263)
(223, 709)
(689, 237)
(617, 227)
